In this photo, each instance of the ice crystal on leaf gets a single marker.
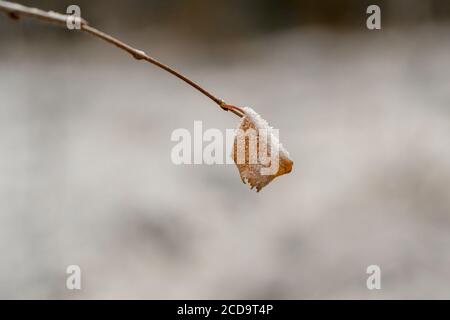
(257, 152)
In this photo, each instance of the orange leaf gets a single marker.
(258, 154)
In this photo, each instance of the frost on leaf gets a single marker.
(257, 152)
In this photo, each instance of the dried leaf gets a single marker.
(257, 152)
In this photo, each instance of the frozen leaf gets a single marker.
(257, 152)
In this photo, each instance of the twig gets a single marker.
(15, 11)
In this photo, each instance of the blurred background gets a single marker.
(86, 176)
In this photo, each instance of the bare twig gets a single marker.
(16, 11)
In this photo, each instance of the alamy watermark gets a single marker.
(373, 21)
(74, 17)
(73, 281)
(259, 147)
(374, 280)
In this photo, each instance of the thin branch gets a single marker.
(16, 11)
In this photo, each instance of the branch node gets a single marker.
(222, 104)
(13, 15)
(139, 54)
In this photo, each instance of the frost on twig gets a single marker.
(257, 152)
